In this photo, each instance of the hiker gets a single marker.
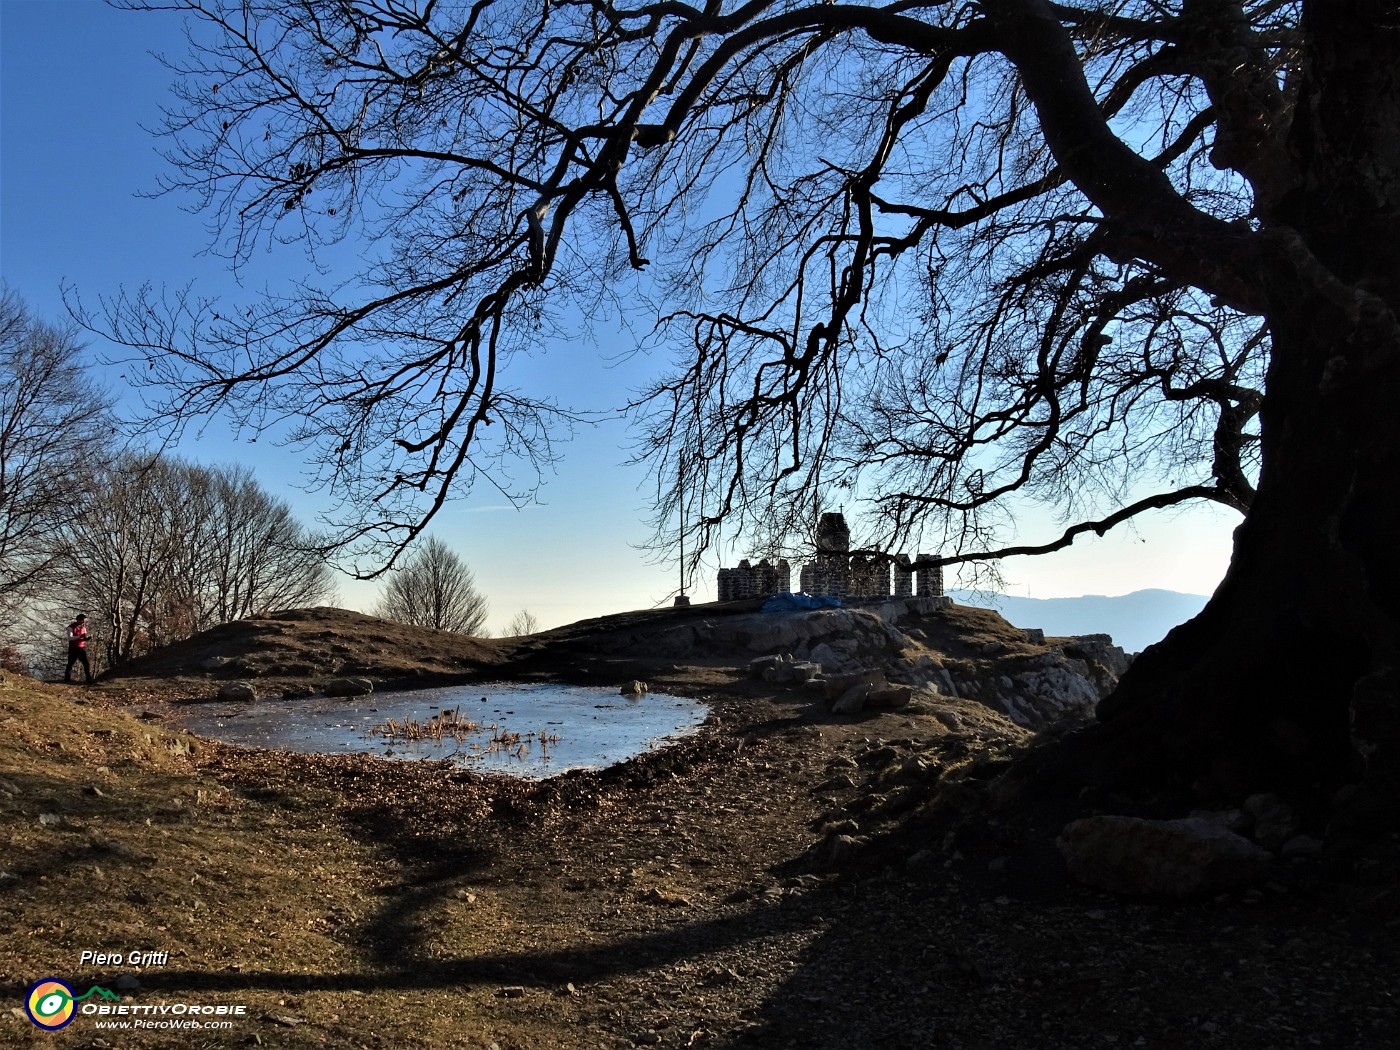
(77, 648)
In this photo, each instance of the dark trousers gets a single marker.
(77, 655)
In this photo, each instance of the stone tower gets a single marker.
(833, 541)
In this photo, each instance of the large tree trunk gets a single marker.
(1288, 679)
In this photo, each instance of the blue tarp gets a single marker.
(799, 602)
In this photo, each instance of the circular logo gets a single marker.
(49, 1003)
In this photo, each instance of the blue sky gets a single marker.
(78, 85)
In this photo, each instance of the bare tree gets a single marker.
(258, 557)
(118, 553)
(55, 426)
(521, 624)
(165, 549)
(434, 588)
(1114, 254)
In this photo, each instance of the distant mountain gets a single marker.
(1135, 620)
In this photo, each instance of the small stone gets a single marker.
(1274, 820)
(890, 695)
(842, 848)
(237, 692)
(1234, 820)
(880, 755)
(1301, 846)
(911, 768)
(1171, 858)
(852, 701)
(512, 991)
(1345, 795)
(838, 685)
(656, 896)
(760, 667)
(348, 687)
(950, 719)
(721, 975)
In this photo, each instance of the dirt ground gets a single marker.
(785, 878)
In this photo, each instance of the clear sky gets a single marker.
(78, 85)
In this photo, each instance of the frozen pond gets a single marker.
(528, 731)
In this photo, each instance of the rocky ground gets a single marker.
(789, 877)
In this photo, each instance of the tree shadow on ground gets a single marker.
(916, 960)
(403, 969)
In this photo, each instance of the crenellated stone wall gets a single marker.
(836, 572)
(754, 581)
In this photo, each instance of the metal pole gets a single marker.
(680, 510)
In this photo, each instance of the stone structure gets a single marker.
(930, 580)
(903, 578)
(836, 572)
(754, 581)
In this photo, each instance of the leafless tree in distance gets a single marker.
(164, 549)
(521, 624)
(434, 588)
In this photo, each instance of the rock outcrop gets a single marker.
(1033, 683)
